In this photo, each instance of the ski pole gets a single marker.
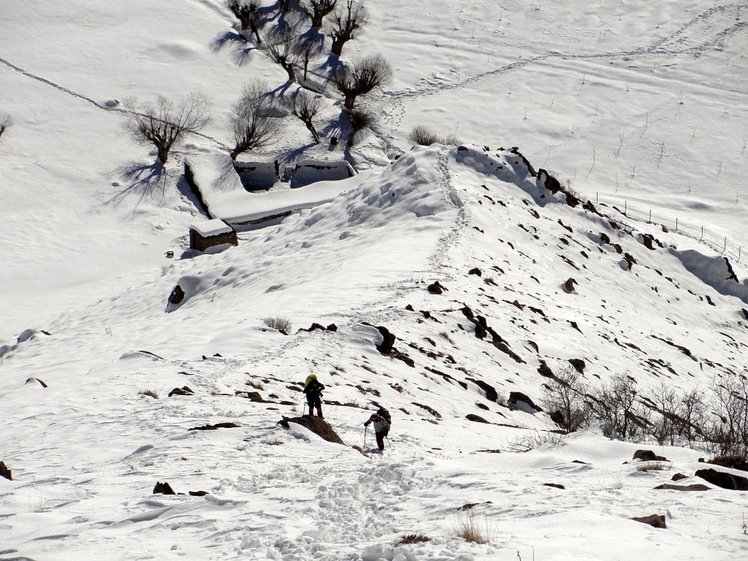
(303, 408)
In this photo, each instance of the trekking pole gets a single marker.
(303, 408)
(365, 427)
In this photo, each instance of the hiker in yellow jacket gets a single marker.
(313, 390)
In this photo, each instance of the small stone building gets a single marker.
(211, 233)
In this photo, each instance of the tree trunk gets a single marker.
(163, 153)
(312, 130)
(337, 45)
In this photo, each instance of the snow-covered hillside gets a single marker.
(634, 106)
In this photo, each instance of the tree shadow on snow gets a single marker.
(142, 181)
(241, 49)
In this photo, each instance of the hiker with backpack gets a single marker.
(313, 390)
(382, 422)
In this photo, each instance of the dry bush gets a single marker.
(149, 393)
(360, 120)
(534, 440)
(650, 467)
(413, 538)
(5, 122)
(279, 324)
(274, 442)
(472, 529)
(424, 137)
(565, 399)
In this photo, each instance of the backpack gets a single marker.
(385, 415)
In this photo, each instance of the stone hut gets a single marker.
(211, 234)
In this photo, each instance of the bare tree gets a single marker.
(164, 123)
(253, 121)
(617, 408)
(345, 23)
(305, 106)
(565, 399)
(729, 434)
(318, 9)
(5, 122)
(283, 48)
(360, 119)
(366, 74)
(249, 15)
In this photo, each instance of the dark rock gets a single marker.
(629, 259)
(554, 485)
(5, 472)
(723, 479)
(332, 327)
(32, 380)
(735, 462)
(163, 489)
(217, 426)
(475, 271)
(388, 340)
(569, 285)
(177, 295)
(578, 364)
(198, 493)
(476, 418)
(648, 456)
(184, 390)
(315, 424)
(545, 370)
(251, 396)
(678, 477)
(436, 288)
(516, 399)
(654, 520)
(604, 237)
(491, 393)
(694, 487)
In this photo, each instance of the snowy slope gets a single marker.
(629, 103)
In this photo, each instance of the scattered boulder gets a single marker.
(217, 426)
(388, 340)
(476, 418)
(723, 479)
(184, 390)
(32, 380)
(654, 520)
(251, 396)
(315, 424)
(735, 462)
(5, 472)
(678, 477)
(648, 456)
(177, 295)
(518, 400)
(578, 364)
(569, 285)
(694, 487)
(475, 271)
(436, 288)
(554, 485)
(545, 370)
(198, 493)
(163, 489)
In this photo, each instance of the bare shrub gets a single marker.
(279, 324)
(345, 23)
(534, 440)
(617, 408)
(274, 442)
(149, 393)
(413, 538)
(165, 123)
(360, 120)
(565, 399)
(472, 529)
(305, 106)
(728, 434)
(422, 136)
(318, 9)
(650, 467)
(361, 78)
(253, 121)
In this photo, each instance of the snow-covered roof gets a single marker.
(214, 227)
